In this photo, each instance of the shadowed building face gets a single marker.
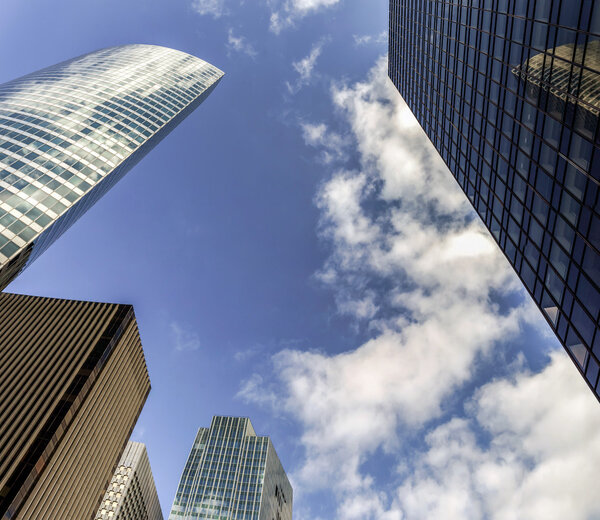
(69, 132)
(73, 381)
(508, 92)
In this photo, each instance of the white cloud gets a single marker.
(305, 68)
(366, 39)
(214, 8)
(333, 145)
(254, 389)
(286, 12)
(410, 259)
(184, 339)
(248, 353)
(240, 44)
(439, 267)
(361, 308)
(541, 460)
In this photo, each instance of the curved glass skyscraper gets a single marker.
(71, 131)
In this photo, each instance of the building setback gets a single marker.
(231, 473)
(131, 494)
(73, 381)
(69, 132)
(509, 93)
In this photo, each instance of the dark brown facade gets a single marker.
(73, 381)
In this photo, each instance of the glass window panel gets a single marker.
(569, 208)
(591, 264)
(542, 10)
(547, 158)
(591, 373)
(589, 296)
(539, 34)
(594, 234)
(569, 13)
(564, 234)
(580, 151)
(595, 19)
(582, 322)
(575, 181)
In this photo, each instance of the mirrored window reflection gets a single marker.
(529, 118)
(232, 473)
(70, 131)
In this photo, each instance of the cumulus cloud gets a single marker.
(438, 265)
(361, 308)
(333, 145)
(286, 12)
(240, 44)
(411, 261)
(215, 8)
(184, 339)
(366, 39)
(541, 458)
(305, 68)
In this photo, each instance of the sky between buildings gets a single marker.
(297, 253)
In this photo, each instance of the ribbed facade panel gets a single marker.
(131, 494)
(73, 380)
(508, 91)
(69, 132)
(232, 473)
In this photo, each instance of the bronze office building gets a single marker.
(69, 132)
(73, 380)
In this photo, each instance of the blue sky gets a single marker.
(297, 253)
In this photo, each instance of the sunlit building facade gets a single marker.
(73, 381)
(232, 474)
(509, 93)
(69, 132)
(131, 494)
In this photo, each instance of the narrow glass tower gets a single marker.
(69, 132)
(231, 473)
(509, 94)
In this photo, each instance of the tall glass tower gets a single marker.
(69, 132)
(508, 91)
(232, 474)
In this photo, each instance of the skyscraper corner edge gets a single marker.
(511, 104)
(246, 479)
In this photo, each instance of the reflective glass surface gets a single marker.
(70, 131)
(509, 93)
(231, 473)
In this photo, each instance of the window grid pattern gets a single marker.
(70, 131)
(225, 475)
(508, 92)
(131, 494)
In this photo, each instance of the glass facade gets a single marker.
(231, 473)
(69, 132)
(508, 91)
